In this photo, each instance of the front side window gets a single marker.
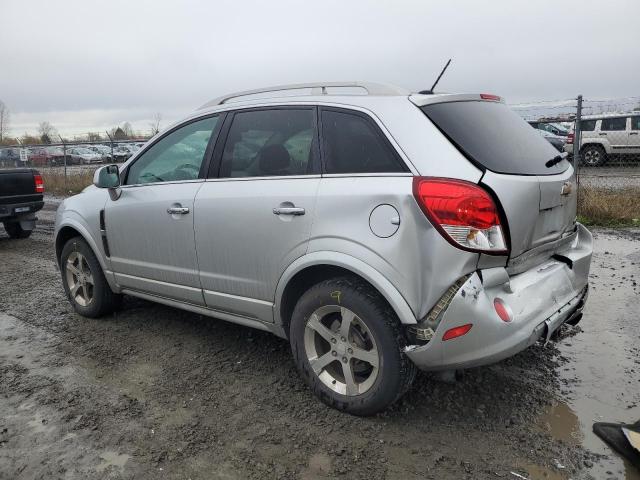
(264, 143)
(353, 144)
(176, 157)
(614, 124)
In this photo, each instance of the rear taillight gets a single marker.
(463, 212)
(490, 96)
(570, 138)
(37, 179)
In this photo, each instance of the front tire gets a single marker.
(347, 345)
(84, 281)
(15, 230)
(593, 156)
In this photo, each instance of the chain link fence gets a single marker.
(600, 136)
(68, 167)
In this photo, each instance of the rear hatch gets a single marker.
(536, 192)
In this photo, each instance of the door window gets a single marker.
(275, 142)
(354, 144)
(613, 124)
(635, 123)
(176, 157)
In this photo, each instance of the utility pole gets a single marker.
(64, 156)
(577, 134)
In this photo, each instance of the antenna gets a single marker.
(427, 92)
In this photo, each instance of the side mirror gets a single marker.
(108, 177)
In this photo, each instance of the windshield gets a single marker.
(494, 137)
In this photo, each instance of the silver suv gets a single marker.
(377, 230)
(603, 136)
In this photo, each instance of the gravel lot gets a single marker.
(156, 393)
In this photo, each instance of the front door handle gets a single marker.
(177, 210)
(289, 211)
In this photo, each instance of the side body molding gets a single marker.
(375, 278)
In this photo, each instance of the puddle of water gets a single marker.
(112, 459)
(602, 371)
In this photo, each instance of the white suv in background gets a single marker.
(606, 135)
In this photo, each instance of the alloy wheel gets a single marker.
(341, 350)
(79, 279)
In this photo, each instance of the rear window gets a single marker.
(613, 124)
(494, 137)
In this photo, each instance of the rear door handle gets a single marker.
(633, 133)
(603, 133)
(289, 211)
(177, 210)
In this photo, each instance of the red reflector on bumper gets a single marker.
(503, 311)
(457, 331)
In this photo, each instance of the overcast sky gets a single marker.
(87, 65)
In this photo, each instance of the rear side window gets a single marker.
(494, 137)
(613, 124)
(274, 142)
(635, 123)
(588, 125)
(354, 144)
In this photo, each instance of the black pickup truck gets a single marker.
(21, 196)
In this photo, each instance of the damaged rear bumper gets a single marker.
(541, 299)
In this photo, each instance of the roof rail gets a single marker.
(318, 88)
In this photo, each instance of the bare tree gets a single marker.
(46, 131)
(155, 124)
(4, 121)
(127, 129)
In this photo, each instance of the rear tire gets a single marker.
(593, 156)
(347, 345)
(84, 282)
(15, 230)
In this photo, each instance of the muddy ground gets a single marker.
(155, 393)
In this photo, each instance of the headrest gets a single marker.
(274, 159)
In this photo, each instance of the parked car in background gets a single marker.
(103, 151)
(56, 155)
(39, 157)
(10, 157)
(80, 155)
(123, 152)
(556, 140)
(377, 232)
(554, 128)
(604, 136)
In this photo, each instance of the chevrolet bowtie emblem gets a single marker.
(567, 188)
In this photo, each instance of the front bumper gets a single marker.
(541, 299)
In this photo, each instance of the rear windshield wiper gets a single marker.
(554, 161)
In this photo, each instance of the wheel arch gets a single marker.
(594, 143)
(73, 229)
(317, 266)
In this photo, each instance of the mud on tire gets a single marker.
(374, 328)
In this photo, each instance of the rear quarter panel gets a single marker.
(416, 260)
